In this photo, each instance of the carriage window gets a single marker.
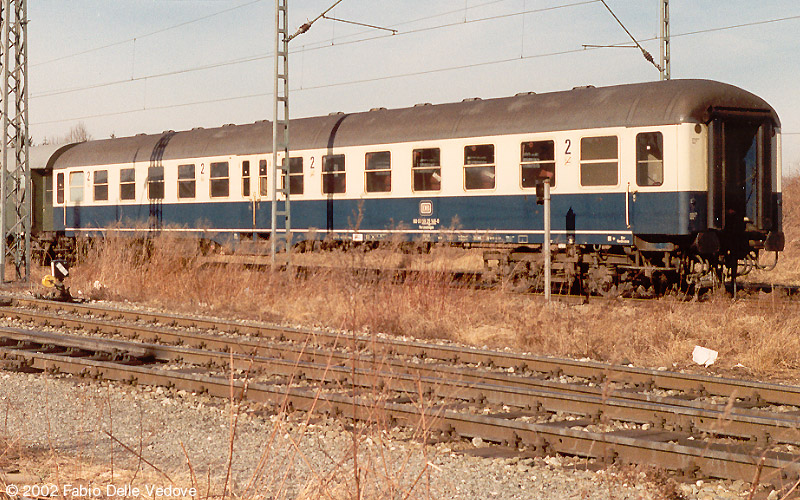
(186, 186)
(333, 177)
(649, 159)
(599, 161)
(155, 183)
(219, 180)
(60, 188)
(427, 169)
(263, 187)
(479, 167)
(296, 175)
(537, 162)
(101, 185)
(76, 186)
(379, 172)
(127, 184)
(245, 179)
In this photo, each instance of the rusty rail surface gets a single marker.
(673, 450)
(652, 446)
(446, 382)
(753, 391)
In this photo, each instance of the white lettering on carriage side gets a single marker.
(426, 222)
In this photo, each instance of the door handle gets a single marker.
(628, 206)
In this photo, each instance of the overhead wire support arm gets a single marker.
(594, 46)
(645, 53)
(305, 27)
(329, 18)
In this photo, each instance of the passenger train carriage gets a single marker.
(654, 182)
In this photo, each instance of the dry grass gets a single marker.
(760, 339)
(440, 258)
(166, 273)
(756, 339)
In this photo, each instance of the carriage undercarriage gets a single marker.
(609, 270)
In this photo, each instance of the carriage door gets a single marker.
(607, 209)
(740, 173)
(642, 209)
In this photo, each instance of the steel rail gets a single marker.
(653, 447)
(753, 391)
(361, 361)
(716, 420)
(311, 354)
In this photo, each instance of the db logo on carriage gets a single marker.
(425, 208)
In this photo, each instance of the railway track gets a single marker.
(784, 289)
(390, 275)
(695, 425)
(475, 279)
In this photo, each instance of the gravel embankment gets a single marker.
(284, 458)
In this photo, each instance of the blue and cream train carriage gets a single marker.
(665, 179)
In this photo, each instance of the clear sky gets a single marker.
(143, 66)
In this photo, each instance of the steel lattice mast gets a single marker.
(280, 126)
(280, 132)
(15, 180)
(664, 37)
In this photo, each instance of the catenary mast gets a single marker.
(15, 180)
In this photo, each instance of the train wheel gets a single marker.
(600, 281)
(699, 275)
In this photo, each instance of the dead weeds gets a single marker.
(756, 338)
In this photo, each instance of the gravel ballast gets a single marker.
(287, 457)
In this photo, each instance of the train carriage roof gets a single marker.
(41, 158)
(633, 105)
